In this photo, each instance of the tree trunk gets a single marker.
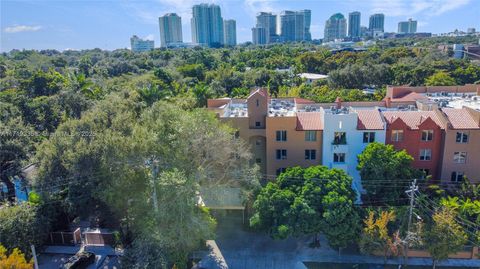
(10, 187)
(434, 264)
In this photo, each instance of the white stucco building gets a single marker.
(347, 131)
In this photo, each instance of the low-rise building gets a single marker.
(140, 45)
(438, 126)
(420, 133)
(347, 131)
(461, 152)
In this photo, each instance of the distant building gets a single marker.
(458, 51)
(230, 32)
(311, 77)
(354, 24)
(170, 29)
(307, 19)
(376, 23)
(207, 25)
(471, 31)
(292, 26)
(407, 27)
(259, 36)
(140, 45)
(364, 31)
(473, 52)
(268, 22)
(335, 27)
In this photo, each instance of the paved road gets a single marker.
(242, 249)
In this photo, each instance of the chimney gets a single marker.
(338, 101)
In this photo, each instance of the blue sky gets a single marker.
(108, 24)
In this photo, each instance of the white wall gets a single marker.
(346, 123)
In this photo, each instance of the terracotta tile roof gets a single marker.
(261, 91)
(410, 97)
(412, 118)
(309, 121)
(369, 120)
(460, 118)
(303, 101)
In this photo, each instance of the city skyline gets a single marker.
(37, 25)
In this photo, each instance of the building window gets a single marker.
(281, 154)
(425, 173)
(368, 137)
(427, 135)
(457, 176)
(338, 157)
(310, 154)
(281, 170)
(281, 135)
(310, 135)
(425, 154)
(462, 137)
(257, 124)
(397, 135)
(460, 157)
(258, 103)
(258, 160)
(258, 142)
(340, 138)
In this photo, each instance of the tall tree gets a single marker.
(385, 173)
(14, 260)
(440, 78)
(308, 201)
(445, 236)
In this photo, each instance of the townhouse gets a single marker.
(438, 126)
(347, 131)
(461, 151)
(421, 134)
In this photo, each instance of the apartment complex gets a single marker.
(335, 28)
(293, 26)
(207, 25)
(138, 44)
(407, 27)
(170, 29)
(354, 24)
(230, 32)
(438, 126)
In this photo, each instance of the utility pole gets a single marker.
(34, 254)
(411, 194)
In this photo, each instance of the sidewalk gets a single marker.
(245, 250)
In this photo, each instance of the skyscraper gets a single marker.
(354, 24)
(170, 29)
(230, 32)
(259, 36)
(335, 27)
(207, 25)
(307, 19)
(140, 45)
(295, 25)
(407, 27)
(268, 22)
(376, 23)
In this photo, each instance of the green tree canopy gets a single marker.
(385, 173)
(308, 201)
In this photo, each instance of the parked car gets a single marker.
(81, 260)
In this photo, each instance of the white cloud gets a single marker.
(402, 8)
(255, 6)
(149, 13)
(150, 37)
(22, 28)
